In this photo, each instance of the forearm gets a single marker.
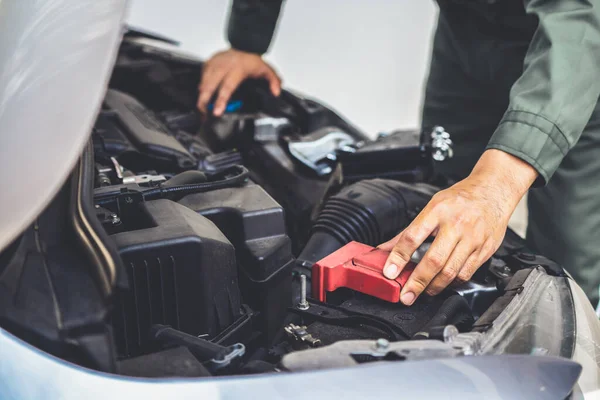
(504, 176)
(552, 101)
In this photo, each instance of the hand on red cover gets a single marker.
(468, 221)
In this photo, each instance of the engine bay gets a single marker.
(218, 224)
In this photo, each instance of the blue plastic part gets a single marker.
(232, 106)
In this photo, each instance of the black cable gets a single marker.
(236, 175)
(200, 347)
(395, 328)
(238, 179)
(355, 319)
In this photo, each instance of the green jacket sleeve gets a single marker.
(552, 101)
(252, 24)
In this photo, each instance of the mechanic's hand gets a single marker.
(226, 70)
(468, 221)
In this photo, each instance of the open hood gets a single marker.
(55, 60)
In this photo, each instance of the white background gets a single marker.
(366, 58)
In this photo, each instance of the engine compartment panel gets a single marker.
(295, 207)
(218, 224)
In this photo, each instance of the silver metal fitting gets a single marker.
(300, 335)
(382, 345)
(450, 332)
(441, 144)
(144, 179)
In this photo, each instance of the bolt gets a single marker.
(437, 130)
(441, 144)
(303, 305)
(450, 332)
(382, 345)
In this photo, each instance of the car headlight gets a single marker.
(541, 314)
(535, 316)
(587, 344)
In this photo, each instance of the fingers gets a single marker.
(211, 79)
(274, 81)
(431, 264)
(232, 79)
(227, 81)
(468, 255)
(468, 224)
(225, 71)
(228, 85)
(389, 245)
(408, 242)
(468, 269)
(476, 260)
(456, 262)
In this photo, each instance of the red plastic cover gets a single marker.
(359, 267)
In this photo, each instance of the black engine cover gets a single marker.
(182, 272)
(255, 224)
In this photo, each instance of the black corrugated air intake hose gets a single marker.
(370, 211)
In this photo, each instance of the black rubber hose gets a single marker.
(240, 177)
(200, 347)
(231, 177)
(190, 177)
(453, 310)
(370, 211)
(320, 244)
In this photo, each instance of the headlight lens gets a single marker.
(587, 343)
(539, 319)
(547, 315)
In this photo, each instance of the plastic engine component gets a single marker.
(317, 151)
(182, 272)
(255, 224)
(370, 212)
(127, 129)
(262, 132)
(359, 267)
(398, 155)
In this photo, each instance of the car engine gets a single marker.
(217, 224)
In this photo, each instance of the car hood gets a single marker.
(34, 374)
(55, 60)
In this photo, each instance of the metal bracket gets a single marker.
(227, 356)
(300, 334)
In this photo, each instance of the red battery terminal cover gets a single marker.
(359, 267)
